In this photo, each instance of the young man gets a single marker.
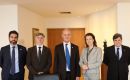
(117, 59)
(39, 58)
(13, 59)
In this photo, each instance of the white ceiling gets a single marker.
(53, 7)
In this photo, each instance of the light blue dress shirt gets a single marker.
(120, 51)
(16, 57)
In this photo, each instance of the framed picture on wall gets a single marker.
(34, 32)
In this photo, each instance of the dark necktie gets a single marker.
(39, 53)
(67, 56)
(12, 70)
(118, 53)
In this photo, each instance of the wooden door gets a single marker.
(54, 38)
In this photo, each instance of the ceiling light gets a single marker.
(65, 12)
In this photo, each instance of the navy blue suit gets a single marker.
(5, 61)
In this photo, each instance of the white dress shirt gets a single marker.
(38, 49)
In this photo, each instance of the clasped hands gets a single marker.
(85, 68)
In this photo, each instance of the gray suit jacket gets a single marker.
(94, 59)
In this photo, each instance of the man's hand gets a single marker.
(40, 73)
(77, 78)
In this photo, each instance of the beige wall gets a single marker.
(124, 21)
(103, 24)
(28, 20)
(8, 21)
(67, 22)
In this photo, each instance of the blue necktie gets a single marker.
(67, 56)
(12, 70)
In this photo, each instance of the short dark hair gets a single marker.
(40, 34)
(117, 35)
(92, 35)
(13, 32)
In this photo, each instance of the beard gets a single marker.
(13, 42)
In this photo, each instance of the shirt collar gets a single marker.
(39, 46)
(66, 43)
(117, 47)
(11, 45)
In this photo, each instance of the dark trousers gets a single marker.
(16, 76)
(68, 76)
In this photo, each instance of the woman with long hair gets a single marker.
(91, 58)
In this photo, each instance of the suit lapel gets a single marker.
(63, 51)
(9, 54)
(35, 52)
(92, 52)
(19, 52)
(114, 52)
(72, 50)
(123, 52)
(43, 50)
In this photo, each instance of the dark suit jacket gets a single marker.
(60, 61)
(5, 61)
(117, 68)
(33, 63)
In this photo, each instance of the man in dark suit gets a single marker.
(39, 58)
(66, 58)
(13, 59)
(117, 59)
